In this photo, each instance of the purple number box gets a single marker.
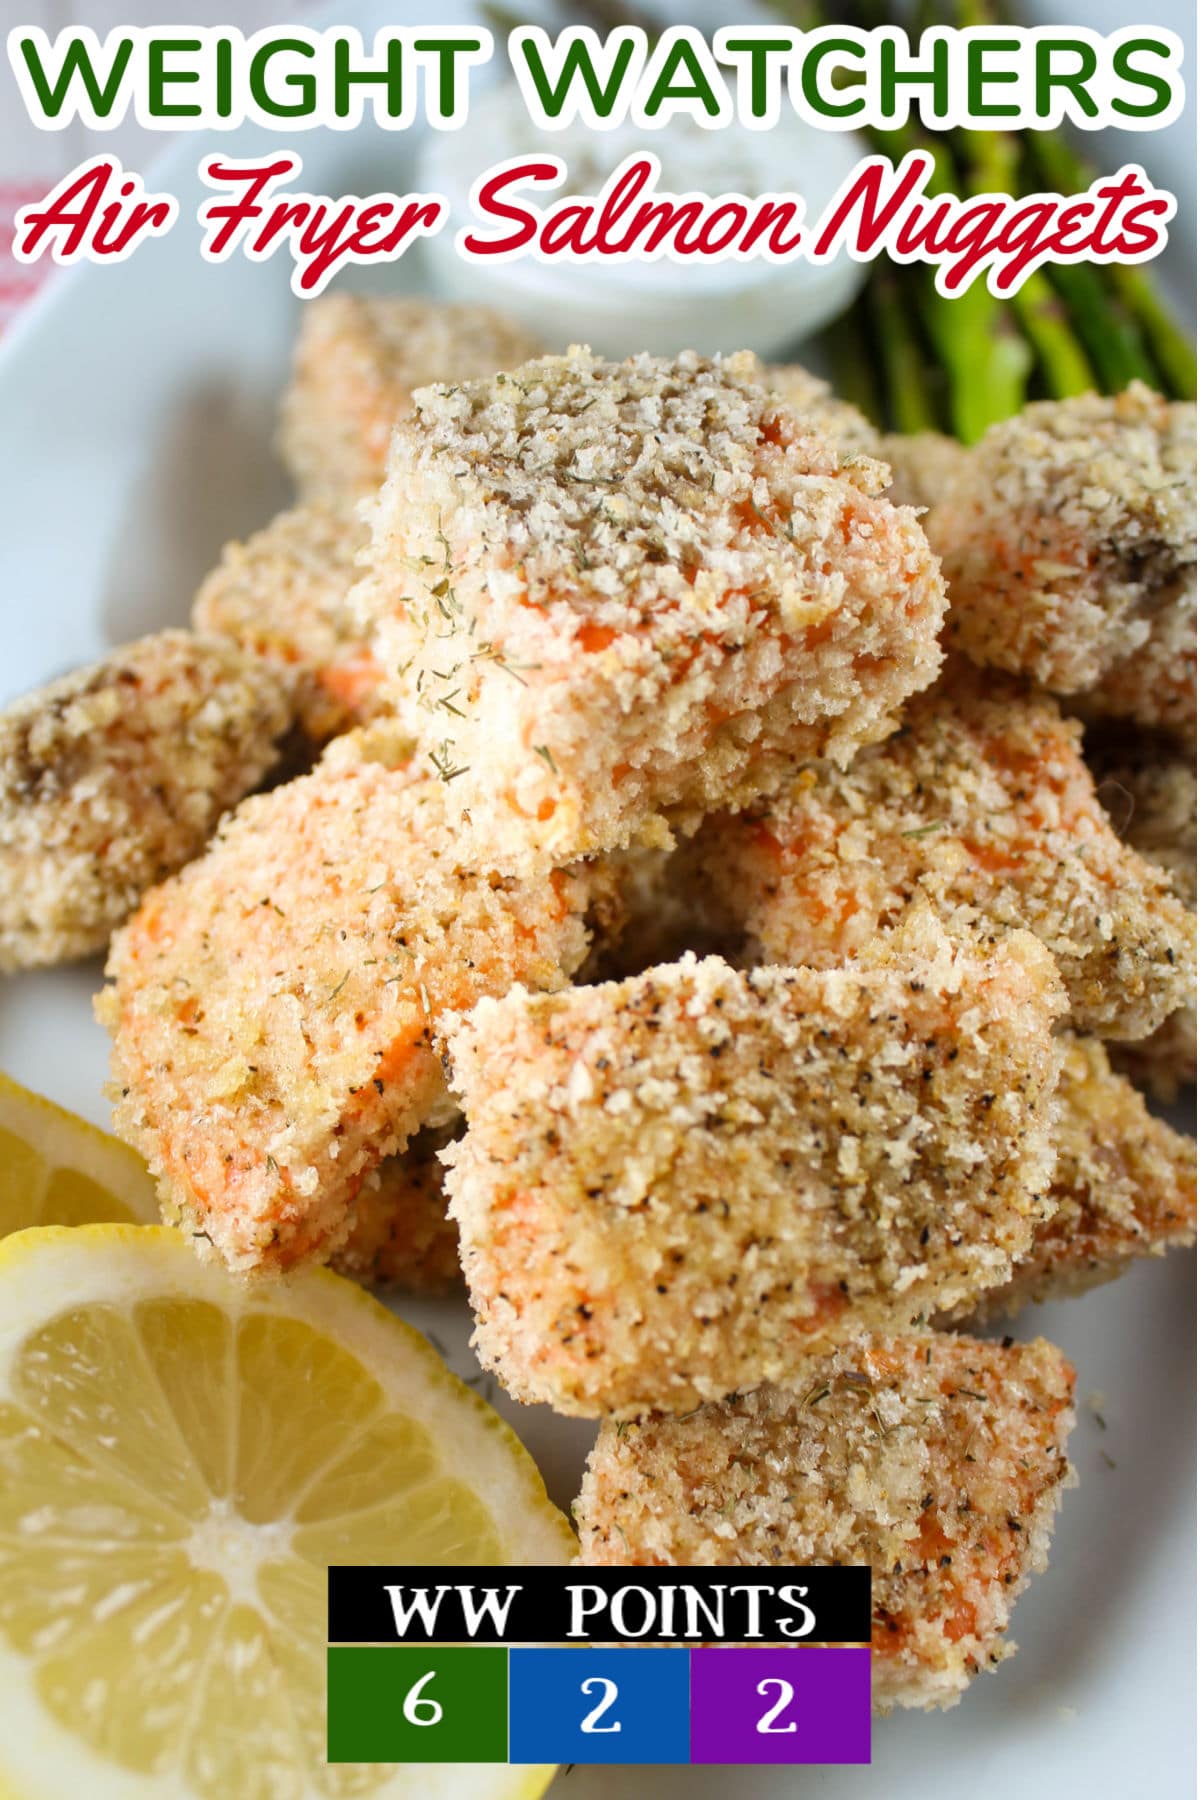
(802, 1704)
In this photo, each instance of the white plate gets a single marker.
(136, 412)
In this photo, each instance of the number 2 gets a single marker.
(786, 1695)
(598, 1711)
(415, 1699)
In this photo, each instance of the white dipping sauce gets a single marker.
(619, 306)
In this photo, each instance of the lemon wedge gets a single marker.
(56, 1169)
(181, 1457)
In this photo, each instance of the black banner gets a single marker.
(377, 1605)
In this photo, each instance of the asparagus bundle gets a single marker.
(921, 361)
(916, 360)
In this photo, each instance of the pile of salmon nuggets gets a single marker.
(701, 918)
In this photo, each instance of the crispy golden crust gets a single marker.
(357, 362)
(1149, 792)
(282, 596)
(1069, 548)
(939, 1461)
(1124, 1187)
(275, 1007)
(671, 1185)
(816, 405)
(924, 465)
(1156, 686)
(114, 776)
(614, 590)
(402, 1236)
(983, 805)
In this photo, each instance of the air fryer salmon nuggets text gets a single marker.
(939, 1461)
(982, 806)
(603, 592)
(274, 1008)
(671, 1186)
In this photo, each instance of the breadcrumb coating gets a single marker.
(281, 596)
(609, 591)
(356, 364)
(1124, 1187)
(1156, 687)
(402, 1236)
(814, 402)
(1149, 792)
(1069, 547)
(924, 465)
(275, 1008)
(940, 1461)
(113, 776)
(983, 806)
(671, 1185)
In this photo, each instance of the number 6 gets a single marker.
(414, 1699)
(598, 1711)
(786, 1696)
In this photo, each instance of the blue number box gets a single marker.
(590, 1705)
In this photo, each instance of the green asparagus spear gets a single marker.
(848, 346)
(1064, 368)
(1102, 326)
(1056, 164)
(906, 375)
(987, 363)
(1173, 350)
(1087, 326)
(1111, 339)
(993, 167)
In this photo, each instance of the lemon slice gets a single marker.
(56, 1169)
(181, 1456)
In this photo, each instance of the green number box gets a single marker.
(418, 1703)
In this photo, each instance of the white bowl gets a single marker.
(663, 305)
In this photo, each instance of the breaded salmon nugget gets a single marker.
(814, 402)
(983, 805)
(356, 364)
(402, 1236)
(1124, 1187)
(671, 1185)
(114, 776)
(616, 589)
(275, 1007)
(1149, 792)
(1069, 548)
(939, 1461)
(282, 596)
(924, 465)
(1157, 685)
